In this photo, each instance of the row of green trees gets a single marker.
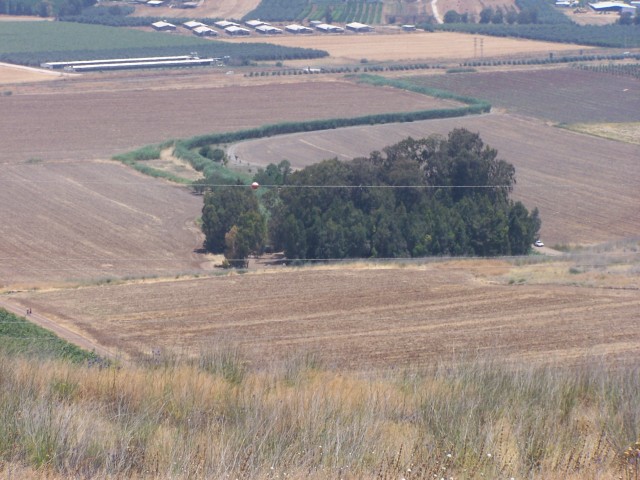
(434, 196)
(627, 18)
(552, 59)
(498, 16)
(614, 36)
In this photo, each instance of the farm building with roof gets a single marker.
(295, 28)
(192, 62)
(225, 24)
(255, 23)
(268, 30)
(163, 26)
(237, 31)
(193, 24)
(358, 27)
(204, 31)
(326, 28)
(619, 7)
(114, 61)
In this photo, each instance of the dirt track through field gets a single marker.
(360, 318)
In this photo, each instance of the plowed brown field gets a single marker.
(98, 124)
(87, 221)
(359, 318)
(69, 217)
(549, 93)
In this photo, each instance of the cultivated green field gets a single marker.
(21, 337)
(63, 36)
(36, 42)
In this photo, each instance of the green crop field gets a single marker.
(34, 37)
(35, 42)
(21, 337)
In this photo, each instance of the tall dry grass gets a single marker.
(216, 418)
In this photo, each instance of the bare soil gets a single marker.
(559, 94)
(360, 318)
(99, 124)
(12, 74)
(92, 221)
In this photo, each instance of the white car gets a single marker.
(538, 243)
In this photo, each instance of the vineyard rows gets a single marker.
(363, 12)
(300, 10)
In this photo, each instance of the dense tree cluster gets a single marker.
(434, 196)
(233, 223)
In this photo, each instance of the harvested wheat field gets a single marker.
(587, 188)
(101, 124)
(439, 46)
(363, 317)
(86, 221)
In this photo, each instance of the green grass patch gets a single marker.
(474, 105)
(149, 152)
(18, 336)
(136, 158)
(29, 37)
